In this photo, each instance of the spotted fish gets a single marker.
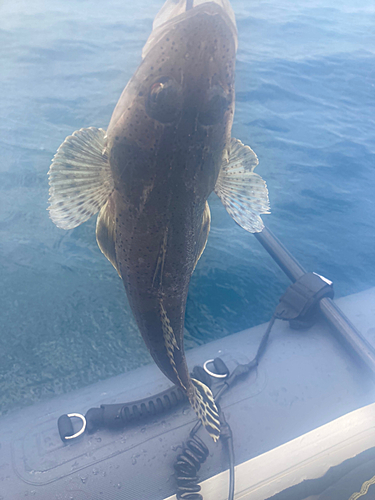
(168, 146)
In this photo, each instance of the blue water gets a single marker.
(305, 103)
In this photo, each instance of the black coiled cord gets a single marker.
(187, 465)
(194, 454)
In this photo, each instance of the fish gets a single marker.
(167, 147)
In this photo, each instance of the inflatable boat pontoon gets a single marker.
(302, 421)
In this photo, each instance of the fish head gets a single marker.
(182, 95)
(173, 11)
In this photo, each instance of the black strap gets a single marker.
(299, 302)
(119, 415)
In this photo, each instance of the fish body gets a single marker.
(165, 168)
(167, 147)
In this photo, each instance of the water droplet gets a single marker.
(134, 460)
(119, 486)
(98, 440)
(143, 429)
(84, 479)
(95, 472)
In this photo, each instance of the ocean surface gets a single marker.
(305, 103)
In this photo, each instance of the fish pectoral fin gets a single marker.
(80, 178)
(203, 403)
(106, 233)
(243, 193)
(203, 235)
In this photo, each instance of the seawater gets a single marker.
(305, 103)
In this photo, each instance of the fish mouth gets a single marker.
(174, 8)
(175, 11)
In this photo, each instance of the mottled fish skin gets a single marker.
(167, 147)
(164, 172)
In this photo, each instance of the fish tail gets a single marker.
(203, 403)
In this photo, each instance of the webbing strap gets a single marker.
(301, 298)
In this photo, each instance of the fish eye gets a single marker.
(164, 101)
(217, 102)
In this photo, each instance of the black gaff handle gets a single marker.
(119, 415)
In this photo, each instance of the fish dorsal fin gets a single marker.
(243, 193)
(106, 233)
(80, 178)
(203, 235)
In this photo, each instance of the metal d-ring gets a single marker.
(212, 374)
(83, 428)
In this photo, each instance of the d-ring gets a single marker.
(212, 374)
(83, 428)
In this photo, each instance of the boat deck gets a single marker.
(304, 381)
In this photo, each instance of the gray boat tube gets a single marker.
(303, 381)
